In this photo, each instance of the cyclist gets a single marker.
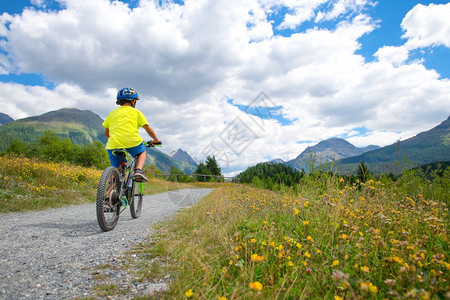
(122, 131)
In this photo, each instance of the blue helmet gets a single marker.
(127, 94)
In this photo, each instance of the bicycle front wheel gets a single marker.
(136, 199)
(107, 199)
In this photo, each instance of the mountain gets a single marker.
(278, 161)
(182, 156)
(426, 147)
(5, 119)
(183, 161)
(80, 126)
(326, 152)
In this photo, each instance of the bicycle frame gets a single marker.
(127, 179)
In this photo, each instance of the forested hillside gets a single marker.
(269, 175)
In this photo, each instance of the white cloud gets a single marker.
(427, 26)
(394, 55)
(341, 7)
(187, 60)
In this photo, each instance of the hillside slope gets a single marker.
(426, 147)
(5, 119)
(80, 126)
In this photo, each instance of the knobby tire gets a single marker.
(107, 199)
(135, 200)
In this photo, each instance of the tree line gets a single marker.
(278, 177)
(51, 147)
(209, 167)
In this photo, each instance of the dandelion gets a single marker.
(335, 263)
(256, 286)
(299, 246)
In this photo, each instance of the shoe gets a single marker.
(139, 175)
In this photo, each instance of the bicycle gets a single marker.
(117, 190)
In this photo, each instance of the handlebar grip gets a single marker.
(152, 144)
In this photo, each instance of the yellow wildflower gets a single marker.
(372, 288)
(257, 258)
(365, 269)
(189, 293)
(296, 211)
(256, 286)
(335, 263)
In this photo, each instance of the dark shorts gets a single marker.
(134, 151)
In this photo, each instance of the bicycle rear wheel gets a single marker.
(135, 198)
(107, 199)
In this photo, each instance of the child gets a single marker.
(122, 131)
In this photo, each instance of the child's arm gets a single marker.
(151, 133)
(107, 133)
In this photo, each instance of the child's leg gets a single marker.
(140, 160)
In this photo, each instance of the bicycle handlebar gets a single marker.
(152, 144)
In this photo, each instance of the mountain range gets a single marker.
(84, 126)
(427, 147)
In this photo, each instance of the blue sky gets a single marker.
(291, 73)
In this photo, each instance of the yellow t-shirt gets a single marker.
(123, 124)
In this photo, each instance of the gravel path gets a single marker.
(50, 254)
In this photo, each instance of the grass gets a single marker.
(333, 241)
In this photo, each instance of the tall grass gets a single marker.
(364, 241)
(29, 184)
(33, 184)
